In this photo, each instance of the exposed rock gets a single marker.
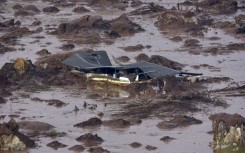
(4, 49)
(135, 145)
(28, 10)
(91, 122)
(191, 43)
(224, 24)
(35, 126)
(56, 145)
(51, 9)
(228, 130)
(176, 39)
(77, 148)
(220, 6)
(11, 142)
(117, 123)
(17, 7)
(32, 8)
(80, 9)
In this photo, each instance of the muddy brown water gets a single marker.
(187, 140)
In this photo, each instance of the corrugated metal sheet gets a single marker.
(86, 60)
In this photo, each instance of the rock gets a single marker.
(52, 102)
(51, 9)
(228, 130)
(90, 140)
(2, 100)
(36, 23)
(80, 9)
(77, 148)
(31, 8)
(149, 147)
(135, 145)
(11, 142)
(91, 122)
(176, 39)
(117, 123)
(12, 125)
(220, 6)
(56, 145)
(98, 150)
(4, 49)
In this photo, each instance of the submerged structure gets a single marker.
(97, 66)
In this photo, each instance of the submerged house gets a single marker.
(97, 66)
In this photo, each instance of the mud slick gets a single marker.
(46, 107)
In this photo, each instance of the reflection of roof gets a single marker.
(100, 60)
(152, 70)
(86, 60)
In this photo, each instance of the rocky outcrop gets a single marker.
(229, 131)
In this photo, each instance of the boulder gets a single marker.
(11, 142)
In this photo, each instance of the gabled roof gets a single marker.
(87, 60)
(152, 70)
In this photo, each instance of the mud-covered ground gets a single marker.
(62, 112)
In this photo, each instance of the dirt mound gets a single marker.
(117, 123)
(90, 140)
(80, 9)
(35, 126)
(220, 6)
(142, 57)
(98, 150)
(124, 26)
(77, 148)
(56, 145)
(89, 123)
(135, 145)
(172, 20)
(178, 121)
(51, 9)
(157, 59)
(28, 10)
(138, 47)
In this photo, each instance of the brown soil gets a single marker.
(56, 145)
(89, 123)
(90, 139)
(117, 123)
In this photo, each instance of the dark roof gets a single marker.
(87, 60)
(100, 59)
(152, 70)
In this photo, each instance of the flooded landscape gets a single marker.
(46, 108)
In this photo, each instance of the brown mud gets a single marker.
(183, 35)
